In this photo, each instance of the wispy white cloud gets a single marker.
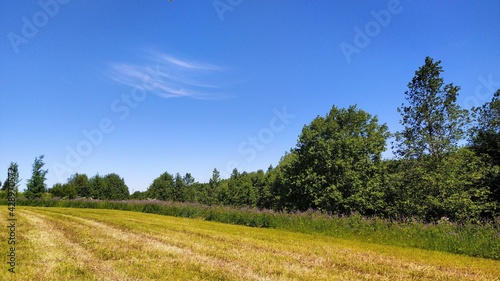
(168, 76)
(190, 65)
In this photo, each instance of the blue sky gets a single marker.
(138, 88)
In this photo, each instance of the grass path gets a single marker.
(90, 244)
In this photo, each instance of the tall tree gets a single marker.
(12, 175)
(335, 164)
(36, 186)
(435, 178)
(12, 182)
(162, 187)
(213, 190)
(116, 189)
(433, 121)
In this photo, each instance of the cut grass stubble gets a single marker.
(89, 244)
(477, 240)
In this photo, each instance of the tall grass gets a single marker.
(478, 240)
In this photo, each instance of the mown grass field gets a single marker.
(92, 244)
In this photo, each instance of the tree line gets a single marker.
(108, 187)
(446, 164)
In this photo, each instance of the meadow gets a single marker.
(101, 244)
(472, 239)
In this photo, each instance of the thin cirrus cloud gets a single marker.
(168, 77)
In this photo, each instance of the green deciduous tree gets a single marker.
(190, 188)
(266, 197)
(97, 187)
(240, 191)
(335, 165)
(13, 180)
(261, 189)
(162, 187)
(36, 186)
(116, 189)
(138, 195)
(451, 186)
(434, 178)
(485, 140)
(81, 184)
(179, 190)
(108, 187)
(214, 190)
(486, 132)
(433, 121)
(65, 191)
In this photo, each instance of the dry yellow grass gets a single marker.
(88, 244)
